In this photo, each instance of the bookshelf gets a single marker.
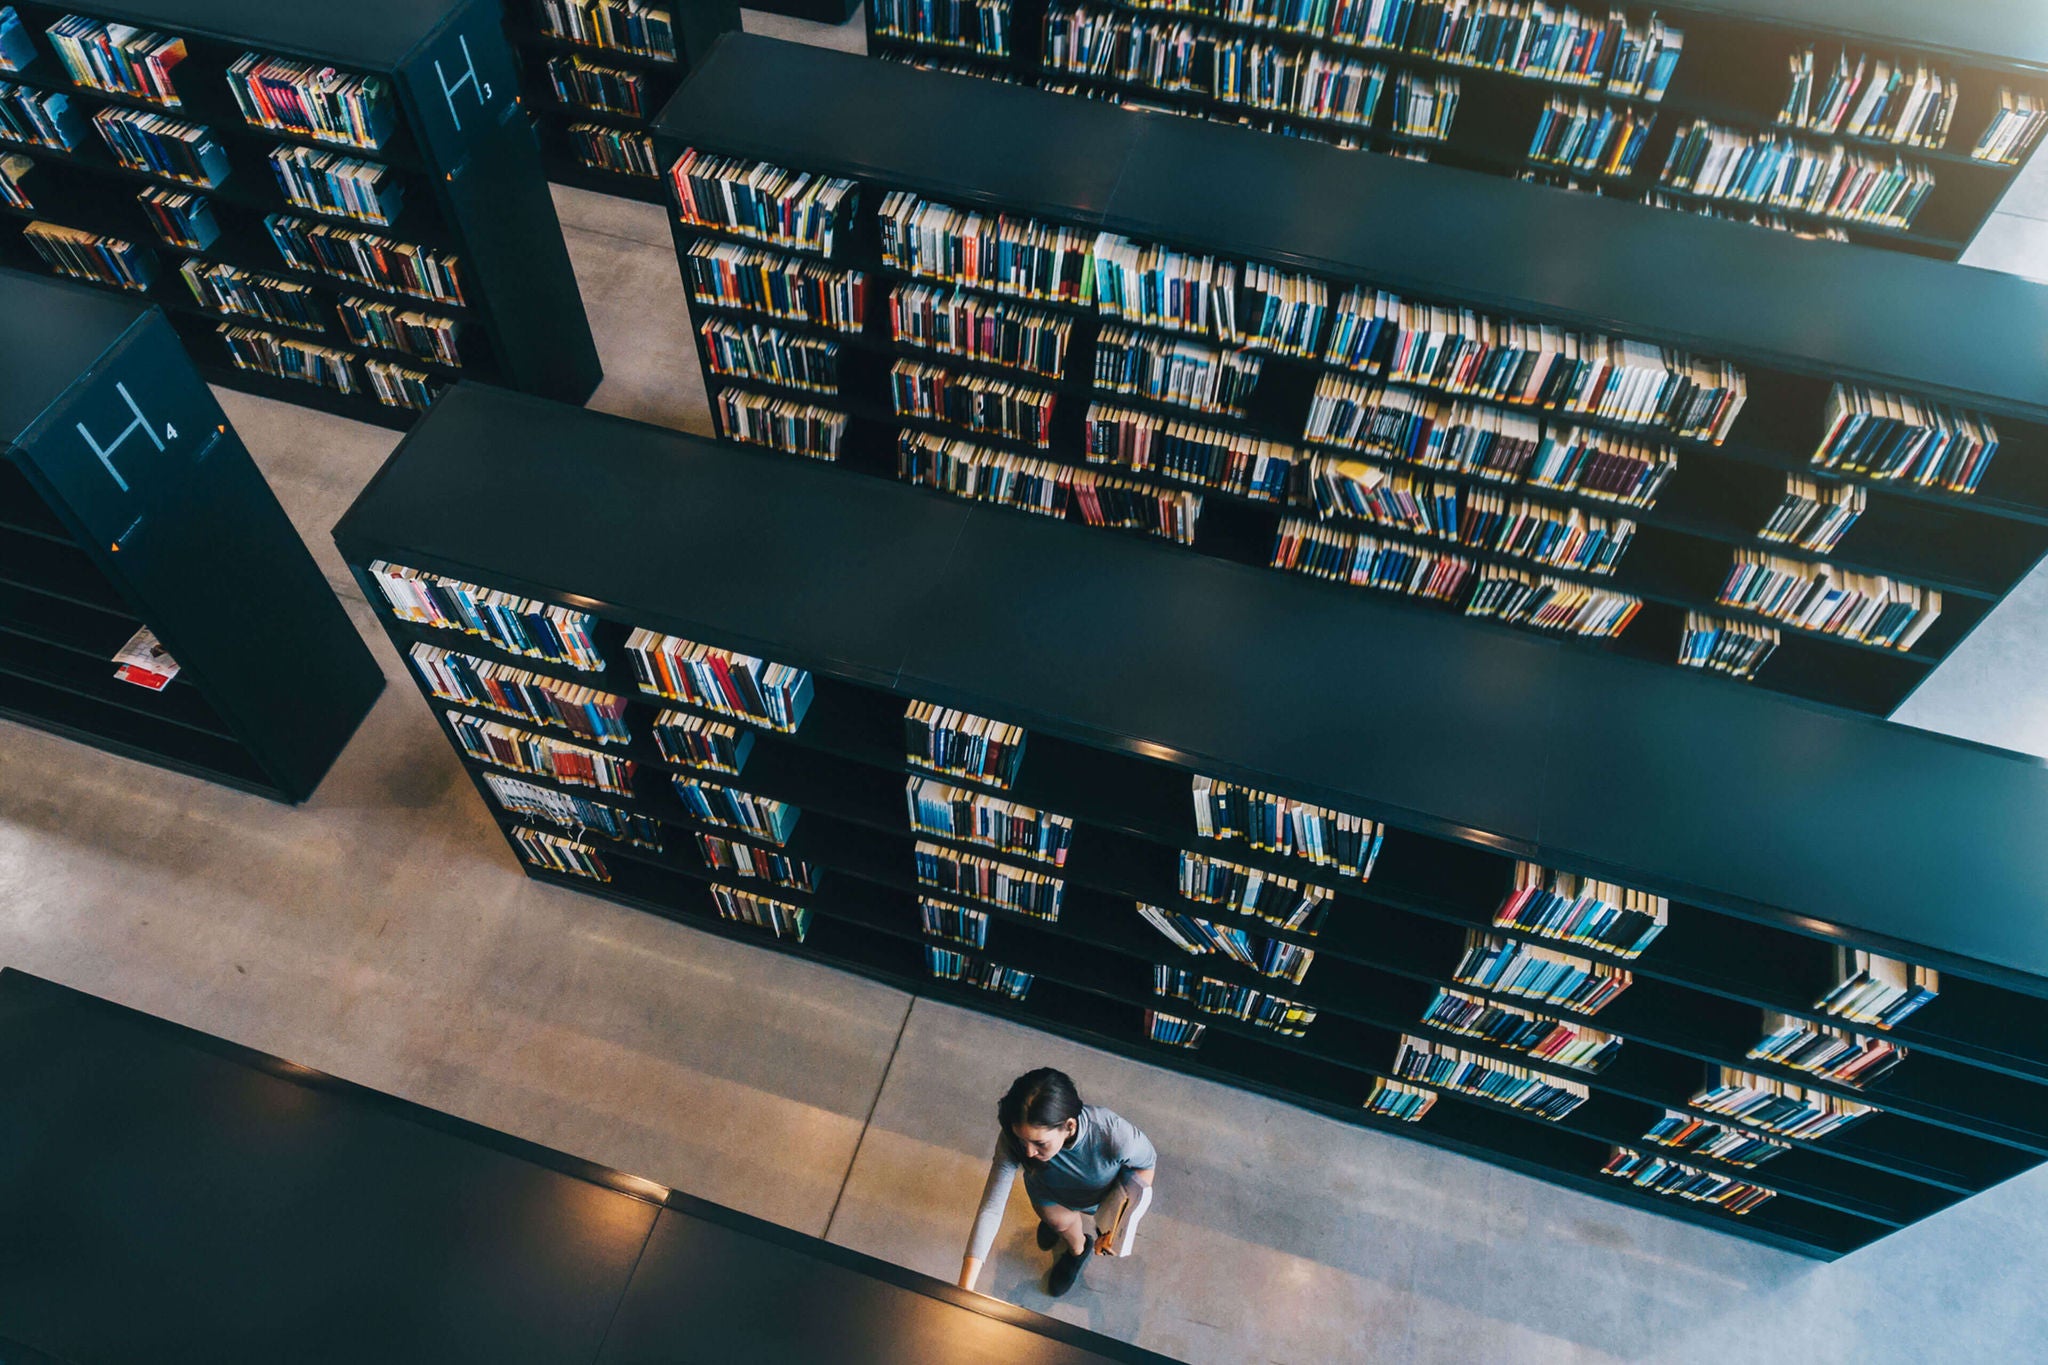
(344, 325)
(1134, 669)
(1733, 71)
(451, 1241)
(93, 549)
(593, 76)
(1793, 318)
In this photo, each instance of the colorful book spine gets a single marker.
(1883, 435)
(1173, 1030)
(956, 923)
(1870, 608)
(230, 289)
(1720, 645)
(316, 102)
(730, 275)
(1717, 1141)
(530, 802)
(515, 624)
(180, 219)
(1148, 443)
(739, 685)
(1000, 253)
(1516, 1087)
(1244, 1003)
(367, 259)
(694, 742)
(1775, 1106)
(1202, 937)
(779, 918)
(770, 355)
(744, 860)
(393, 327)
(979, 26)
(962, 745)
(971, 817)
(1661, 1175)
(287, 358)
(621, 25)
(118, 58)
(1398, 1100)
(973, 327)
(730, 808)
(1278, 900)
(1879, 992)
(1834, 1054)
(970, 876)
(1573, 909)
(1516, 1030)
(1505, 966)
(977, 403)
(556, 854)
(591, 715)
(947, 965)
(621, 151)
(1345, 844)
(91, 257)
(784, 208)
(780, 424)
(508, 746)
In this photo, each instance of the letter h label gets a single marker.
(469, 79)
(106, 453)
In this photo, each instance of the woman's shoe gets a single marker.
(1065, 1273)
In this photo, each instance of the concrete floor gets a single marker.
(384, 933)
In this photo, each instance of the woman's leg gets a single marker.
(1071, 1225)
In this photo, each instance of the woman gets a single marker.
(1078, 1160)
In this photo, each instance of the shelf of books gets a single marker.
(1153, 802)
(1735, 468)
(335, 205)
(1894, 126)
(127, 619)
(595, 72)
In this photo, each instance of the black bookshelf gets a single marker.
(466, 164)
(1732, 72)
(1132, 667)
(451, 1241)
(695, 24)
(1793, 316)
(172, 528)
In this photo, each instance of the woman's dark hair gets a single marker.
(1044, 1098)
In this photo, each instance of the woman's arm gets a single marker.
(995, 1194)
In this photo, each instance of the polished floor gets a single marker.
(384, 933)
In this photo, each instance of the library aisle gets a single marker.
(378, 933)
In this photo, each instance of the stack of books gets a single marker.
(517, 625)
(1508, 966)
(1516, 1030)
(1661, 1175)
(962, 745)
(744, 860)
(583, 711)
(1230, 812)
(779, 918)
(508, 746)
(728, 807)
(1582, 910)
(1022, 889)
(732, 684)
(1877, 991)
(557, 854)
(1516, 1087)
(1193, 934)
(971, 817)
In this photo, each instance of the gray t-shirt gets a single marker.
(1106, 1145)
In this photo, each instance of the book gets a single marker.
(17, 48)
(971, 817)
(970, 876)
(2014, 128)
(118, 58)
(39, 118)
(774, 696)
(1104, 500)
(1754, 217)
(396, 386)
(1544, 603)
(622, 151)
(91, 257)
(1602, 138)
(515, 624)
(695, 742)
(1720, 645)
(991, 331)
(339, 186)
(1516, 1087)
(1701, 1137)
(180, 219)
(622, 25)
(225, 288)
(770, 355)
(780, 423)
(943, 919)
(1201, 937)
(144, 662)
(1661, 1175)
(1278, 900)
(965, 470)
(508, 746)
(1602, 464)
(1161, 1027)
(1875, 98)
(163, 146)
(557, 854)
(962, 745)
(1149, 443)
(1582, 910)
(1775, 1106)
(1178, 370)
(977, 403)
(365, 258)
(779, 918)
(594, 716)
(1870, 608)
(793, 210)
(1365, 561)
(1877, 991)
(1396, 1100)
(1506, 966)
(1244, 1003)
(729, 275)
(572, 812)
(390, 326)
(981, 26)
(584, 84)
(1346, 844)
(1423, 106)
(744, 860)
(1000, 253)
(1518, 1030)
(730, 808)
(947, 965)
(312, 101)
(1831, 1053)
(1884, 435)
(1645, 385)
(14, 169)
(1815, 513)
(1255, 307)
(1306, 83)
(1769, 168)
